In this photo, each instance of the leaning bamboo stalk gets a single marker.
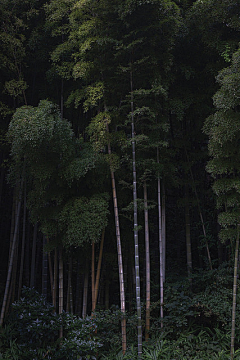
(99, 269)
(200, 213)
(120, 262)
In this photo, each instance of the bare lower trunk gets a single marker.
(135, 228)
(50, 271)
(160, 244)
(99, 269)
(33, 262)
(188, 235)
(234, 294)
(55, 279)
(120, 263)
(85, 291)
(93, 277)
(60, 292)
(164, 229)
(10, 265)
(147, 263)
(200, 214)
(44, 269)
(69, 306)
(23, 246)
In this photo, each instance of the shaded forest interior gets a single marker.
(119, 150)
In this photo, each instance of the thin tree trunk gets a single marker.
(70, 287)
(93, 276)
(164, 229)
(135, 227)
(10, 262)
(69, 307)
(120, 262)
(78, 297)
(99, 269)
(188, 234)
(11, 296)
(27, 258)
(160, 243)
(44, 269)
(50, 270)
(55, 279)
(200, 213)
(234, 294)
(85, 291)
(107, 290)
(33, 263)
(23, 244)
(60, 291)
(1, 180)
(14, 272)
(147, 328)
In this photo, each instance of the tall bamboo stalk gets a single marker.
(85, 291)
(23, 243)
(44, 268)
(10, 265)
(33, 262)
(234, 294)
(135, 227)
(160, 243)
(164, 229)
(60, 291)
(69, 306)
(200, 213)
(50, 270)
(93, 276)
(120, 262)
(70, 286)
(188, 234)
(147, 327)
(55, 274)
(99, 269)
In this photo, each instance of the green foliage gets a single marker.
(224, 136)
(195, 345)
(35, 129)
(32, 329)
(98, 130)
(83, 220)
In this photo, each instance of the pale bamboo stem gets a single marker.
(99, 269)
(234, 294)
(147, 327)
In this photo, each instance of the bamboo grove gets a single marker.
(119, 152)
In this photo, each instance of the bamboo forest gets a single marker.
(119, 179)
